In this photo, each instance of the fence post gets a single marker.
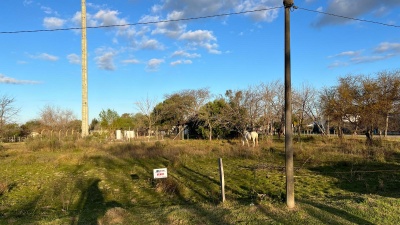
(222, 179)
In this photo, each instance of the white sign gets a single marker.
(160, 173)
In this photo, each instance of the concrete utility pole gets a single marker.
(288, 110)
(85, 123)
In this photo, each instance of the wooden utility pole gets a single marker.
(85, 122)
(288, 110)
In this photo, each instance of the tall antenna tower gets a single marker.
(85, 123)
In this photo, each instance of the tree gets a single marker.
(364, 102)
(31, 126)
(146, 107)
(7, 112)
(180, 108)
(125, 122)
(389, 95)
(236, 113)
(107, 118)
(53, 117)
(139, 123)
(306, 107)
(212, 115)
(341, 104)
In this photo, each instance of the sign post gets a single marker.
(160, 173)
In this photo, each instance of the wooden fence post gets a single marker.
(222, 179)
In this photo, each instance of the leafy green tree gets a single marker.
(213, 117)
(108, 118)
(124, 122)
(235, 112)
(139, 123)
(181, 108)
(175, 110)
(31, 126)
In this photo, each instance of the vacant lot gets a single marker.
(89, 182)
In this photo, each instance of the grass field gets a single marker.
(88, 182)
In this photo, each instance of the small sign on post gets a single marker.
(160, 173)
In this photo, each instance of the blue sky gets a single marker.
(130, 63)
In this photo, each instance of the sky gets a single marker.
(234, 50)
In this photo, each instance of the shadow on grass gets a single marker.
(364, 178)
(92, 205)
(330, 215)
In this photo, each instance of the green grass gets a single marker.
(89, 182)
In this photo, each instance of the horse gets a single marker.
(250, 136)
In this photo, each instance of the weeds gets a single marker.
(88, 181)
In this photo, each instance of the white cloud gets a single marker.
(109, 17)
(53, 22)
(181, 53)
(202, 38)
(10, 80)
(47, 10)
(353, 8)
(383, 51)
(265, 15)
(90, 21)
(337, 64)
(372, 58)
(151, 44)
(172, 30)
(388, 47)
(27, 2)
(347, 53)
(198, 36)
(178, 62)
(44, 56)
(131, 61)
(154, 64)
(74, 59)
(105, 59)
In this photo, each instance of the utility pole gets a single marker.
(85, 123)
(288, 110)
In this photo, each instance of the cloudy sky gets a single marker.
(149, 58)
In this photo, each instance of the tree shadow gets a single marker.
(364, 178)
(92, 204)
(330, 215)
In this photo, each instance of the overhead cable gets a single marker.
(196, 18)
(141, 23)
(349, 18)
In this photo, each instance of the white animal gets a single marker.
(250, 136)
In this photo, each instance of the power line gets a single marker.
(349, 18)
(142, 23)
(196, 18)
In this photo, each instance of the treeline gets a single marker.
(357, 104)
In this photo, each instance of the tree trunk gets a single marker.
(210, 130)
(369, 135)
(387, 124)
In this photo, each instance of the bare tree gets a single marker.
(273, 105)
(306, 107)
(389, 94)
(7, 111)
(253, 97)
(56, 118)
(146, 107)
